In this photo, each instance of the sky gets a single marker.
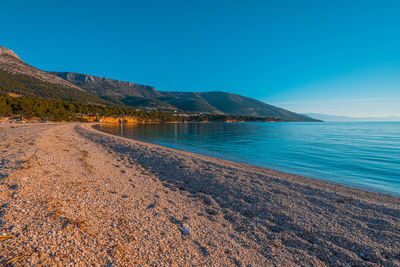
(332, 57)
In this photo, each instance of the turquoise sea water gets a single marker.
(361, 155)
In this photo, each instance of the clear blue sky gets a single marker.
(335, 57)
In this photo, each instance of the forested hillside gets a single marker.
(58, 110)
(29, 86)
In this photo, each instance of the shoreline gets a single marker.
(74, 195)
(278, 172)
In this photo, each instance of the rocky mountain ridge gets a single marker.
(18, 77)
(7, 52)
(10, 62)
(106, 88)
(144, 96)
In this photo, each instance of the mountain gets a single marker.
(113, 90)
(334, 118)
(11, 63)
(137, 95)
(20, 78)
(238, 105)
(23, 79)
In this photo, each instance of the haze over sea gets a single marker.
(364, 155)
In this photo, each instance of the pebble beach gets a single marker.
(71, 195)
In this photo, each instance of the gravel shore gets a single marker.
(71, 195)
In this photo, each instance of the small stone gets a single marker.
(186, 229)
(13, 187)
(15, 229)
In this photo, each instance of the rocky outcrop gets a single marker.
(108, 88)
(7, 52)
(10, 62)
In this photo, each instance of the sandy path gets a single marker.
(91, 198)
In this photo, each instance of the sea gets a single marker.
(363, 155)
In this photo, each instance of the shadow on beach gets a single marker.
(307, 217)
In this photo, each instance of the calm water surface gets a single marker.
(361, 155)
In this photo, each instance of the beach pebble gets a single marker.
(186, 229)
(102, 220)
(15, 229)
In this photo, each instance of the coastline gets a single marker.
(210, 154)
(124, 202)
